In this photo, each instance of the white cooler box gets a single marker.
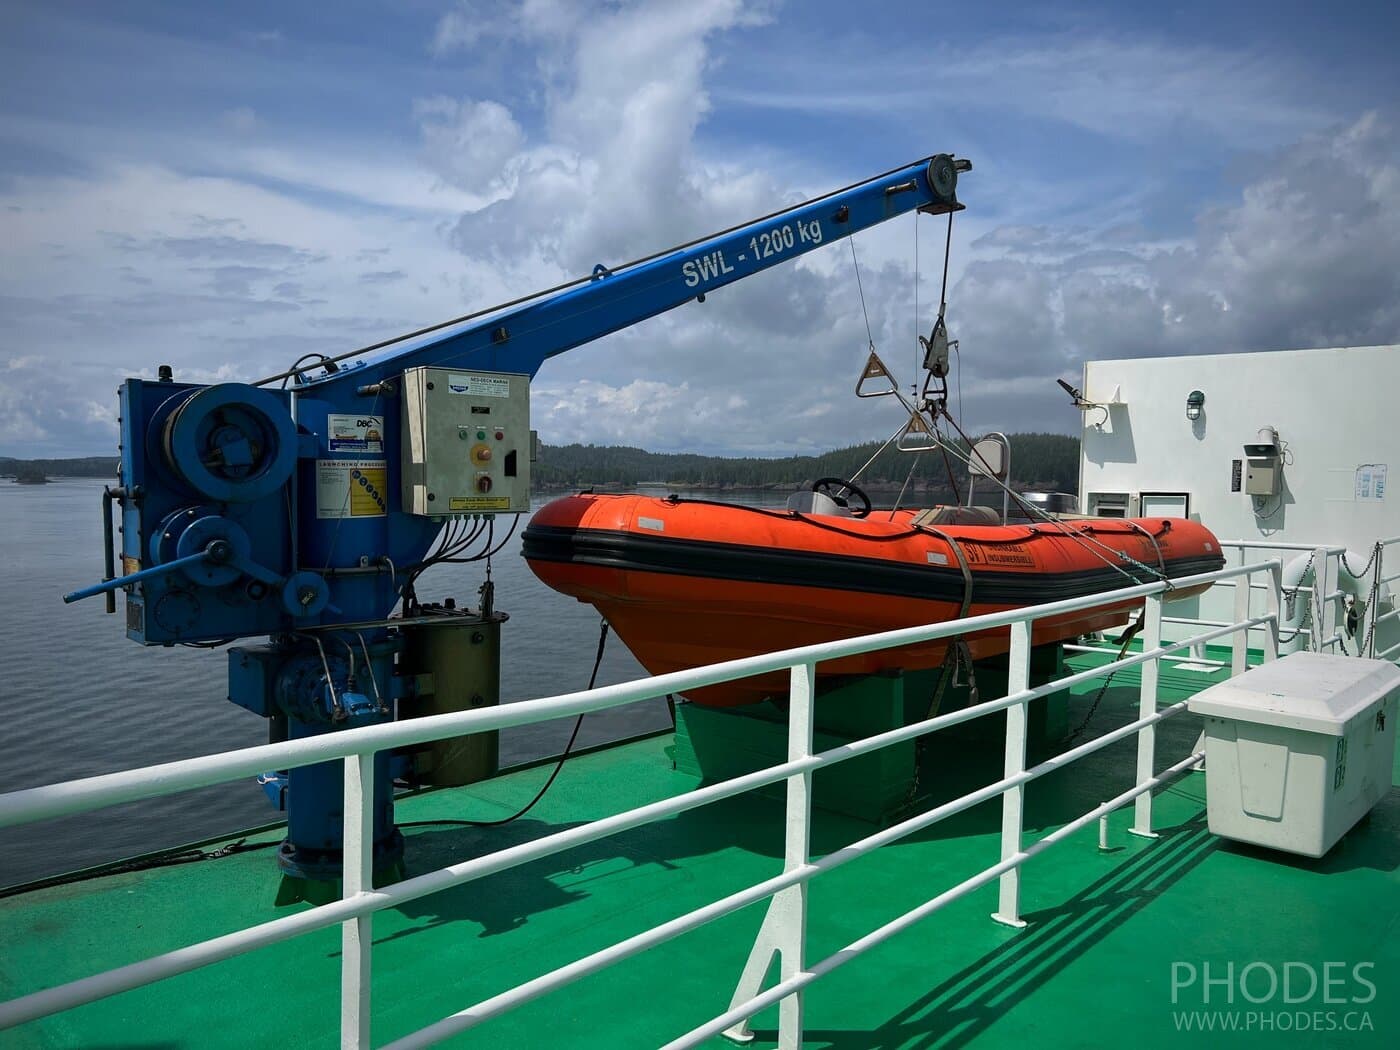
(1298, 749)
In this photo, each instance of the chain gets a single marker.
(1364, 643)
(1342, 558)
(1290, 596)
(1126, 640)
(958, 657)
(1370, 602)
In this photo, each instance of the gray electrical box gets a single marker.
(467, 444)
(1261, 479)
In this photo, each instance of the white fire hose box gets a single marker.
(1298, 749)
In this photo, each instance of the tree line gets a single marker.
(1038, 461)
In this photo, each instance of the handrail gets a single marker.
(1339, 615)
(355, 909)
(110, 789)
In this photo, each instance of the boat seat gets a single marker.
(956, 515)
(808, 502)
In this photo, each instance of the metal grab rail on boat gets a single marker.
(782, 932)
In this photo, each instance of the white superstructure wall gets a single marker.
(1337, 414)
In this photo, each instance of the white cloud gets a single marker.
(468, 143)
(470, 22)
(110, 274)
(1145, 88)
(614, 141)
(1308, 255)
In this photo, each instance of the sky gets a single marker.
(225, 187)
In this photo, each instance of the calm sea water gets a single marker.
(77, 698)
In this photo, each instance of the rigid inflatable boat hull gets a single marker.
(687, 583)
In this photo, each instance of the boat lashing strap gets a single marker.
(957, 654)
(1156, 549)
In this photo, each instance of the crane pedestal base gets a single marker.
(314, 876)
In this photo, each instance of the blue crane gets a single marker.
(298, 508)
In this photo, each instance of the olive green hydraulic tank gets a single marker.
(453, 657)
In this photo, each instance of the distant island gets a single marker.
(39, 471)
(1038, 462)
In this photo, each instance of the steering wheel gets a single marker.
(828, 487)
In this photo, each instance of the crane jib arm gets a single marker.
(303, 514)
(519, 340)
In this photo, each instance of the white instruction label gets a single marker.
(351, 488)
(355, 433)
(480, 386)
(1370, 483)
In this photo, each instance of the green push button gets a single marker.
(481, 435)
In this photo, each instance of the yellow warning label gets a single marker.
(478, 503)
(348, 488)
(130, 565)
(367, 492)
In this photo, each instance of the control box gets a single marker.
(466, 442)
(1262, 477)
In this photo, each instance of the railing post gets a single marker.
(1013, 799)
(1147, 705)
(784, 929)
(1273, 605)
(1239, 641)
(356, 935)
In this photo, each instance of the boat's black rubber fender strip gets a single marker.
(728, 561)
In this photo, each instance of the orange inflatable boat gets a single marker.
(692, 582)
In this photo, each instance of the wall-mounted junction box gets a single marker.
(466, 442)
(1261, 477)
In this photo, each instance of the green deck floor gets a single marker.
(1093, 968)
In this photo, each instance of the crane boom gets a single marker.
(521, 339)
(304, 514)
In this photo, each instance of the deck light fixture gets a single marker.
(1195, 404)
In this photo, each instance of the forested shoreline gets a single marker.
(1038, 461)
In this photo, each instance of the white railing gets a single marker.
(1328, 600)
(784, 928)
(1391, 652)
